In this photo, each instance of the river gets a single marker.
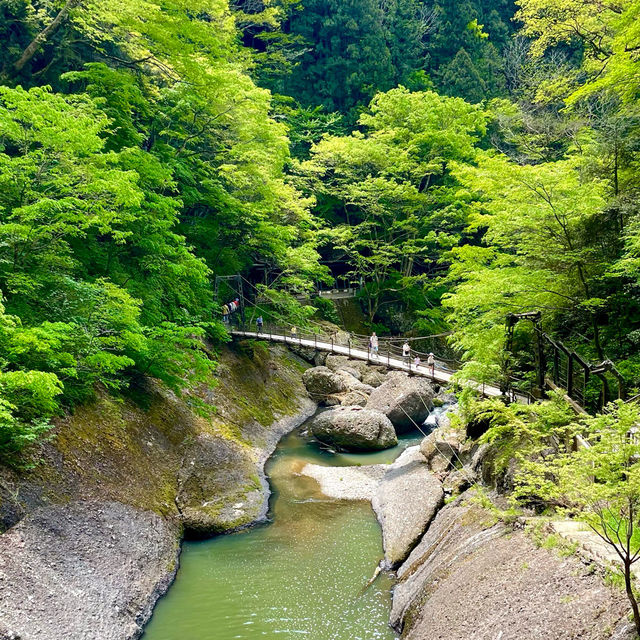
(301, 575)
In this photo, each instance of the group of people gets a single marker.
(229, 308)
(406, 354)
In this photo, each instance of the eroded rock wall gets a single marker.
(473, 577)
(92, 532)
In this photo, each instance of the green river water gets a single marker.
(302, 575)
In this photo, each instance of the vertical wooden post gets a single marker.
(584, 390)
(556, 365)
(541, 361)
(570, 375)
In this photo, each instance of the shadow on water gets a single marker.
(300, 575)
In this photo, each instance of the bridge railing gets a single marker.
(388, 349)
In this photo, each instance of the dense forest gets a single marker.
(465, 160)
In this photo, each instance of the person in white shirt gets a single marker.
(373, 344)
(431, 362)
(406, 353)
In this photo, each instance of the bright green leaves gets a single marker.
(56, 186)
(536, 222)
(391, 187)
(597, 483)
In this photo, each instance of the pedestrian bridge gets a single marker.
(357, 347)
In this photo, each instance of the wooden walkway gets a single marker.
(439, 374)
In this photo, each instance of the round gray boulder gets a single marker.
(321, 382)
(354, 428)
(405, 400)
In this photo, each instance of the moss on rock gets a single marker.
(197, 454)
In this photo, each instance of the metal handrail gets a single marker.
(292, 335)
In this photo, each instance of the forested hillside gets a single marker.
(463, 161)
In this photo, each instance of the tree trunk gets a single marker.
(629, 589)
(45, 34)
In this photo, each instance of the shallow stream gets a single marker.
(302, 575)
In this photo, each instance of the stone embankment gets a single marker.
(91, 534)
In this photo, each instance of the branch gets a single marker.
(45, 34)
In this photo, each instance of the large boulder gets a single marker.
(406, 500)
(321, 382)
(374, 377)
(405, 400)
(354, 428)
(441, 449)
(335, 362)
(352, 383)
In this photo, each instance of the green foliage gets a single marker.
(142, 161)
(521, 431)
(388, 192)
(326, 309)
(598, 484)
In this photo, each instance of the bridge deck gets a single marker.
(439, 375)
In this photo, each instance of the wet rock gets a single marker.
(321, 381)
(354, 428)
(473, 577)
(405, 400)
(85, 570)
(405, 502)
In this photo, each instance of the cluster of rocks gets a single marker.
(458, 557)
(405, 495)
(368, 406)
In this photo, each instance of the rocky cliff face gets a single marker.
(473, 577)
(92, 532)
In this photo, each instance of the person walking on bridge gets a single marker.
(373, 345)
(406, 353)
(431, 363)
(259, 323)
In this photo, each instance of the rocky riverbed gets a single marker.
(91, 534)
